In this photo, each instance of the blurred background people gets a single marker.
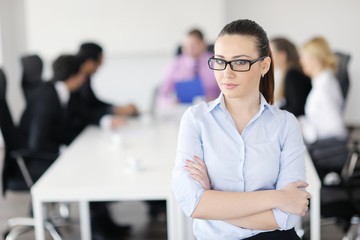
(45, 121)
(187, 80)
(85, 107)
(294, 85)
(48, 124)
(188, 75)
(324, 105)
(323, 124)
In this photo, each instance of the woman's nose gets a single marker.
(228, 72)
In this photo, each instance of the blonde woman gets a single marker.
(323, 124)
(324, 105)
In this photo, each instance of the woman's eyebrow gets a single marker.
(234, 57)
(239, 56)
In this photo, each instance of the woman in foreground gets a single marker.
(240, 161)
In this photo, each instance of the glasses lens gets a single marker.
(240, 65)
(217, 64)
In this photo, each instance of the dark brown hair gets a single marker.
(90, 50)
(284, 45)
(197, 33)
(251, 28)
(65, 66)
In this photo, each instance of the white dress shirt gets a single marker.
(62, 92)
(64, 96)
(324, 109)
(267, 155)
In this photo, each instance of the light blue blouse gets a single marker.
(268, 155)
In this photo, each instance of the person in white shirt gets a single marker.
(323, 124)
(324, 105)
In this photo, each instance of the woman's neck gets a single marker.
(316, 70)
(243, 106)
(242, 110)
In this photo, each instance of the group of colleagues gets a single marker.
(61, 108)
(242, 149)
(236, 147)
(305, 83)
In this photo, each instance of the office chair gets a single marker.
(330, 154)
(17, 172)
(341, 72)
(32, 69)
(351, 180)
(341, 201)
(337, 205)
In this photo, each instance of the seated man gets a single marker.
(47, 124)
(188, 75)
(45, 119)
(84, 107)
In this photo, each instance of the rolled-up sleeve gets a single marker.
(292, 167)
(187, 191)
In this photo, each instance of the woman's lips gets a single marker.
(229, 85)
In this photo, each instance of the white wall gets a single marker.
(1, 53)
(137, 26)
(13, 43)
(139, 37)
(301, 20)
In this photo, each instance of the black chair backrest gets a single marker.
(2, 85)
(6, 122)
(11, 140)
(341, 72)
(351, 174)
(32, 69)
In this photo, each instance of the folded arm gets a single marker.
(258, 211)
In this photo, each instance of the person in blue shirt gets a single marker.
(240, 168)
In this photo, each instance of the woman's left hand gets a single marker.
(198, 171)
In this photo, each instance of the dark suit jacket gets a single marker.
(296, 89)
(45, 122)
(85, 108)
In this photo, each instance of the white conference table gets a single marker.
(314, 189)
(95, 168)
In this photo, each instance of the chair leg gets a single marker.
(52, 230)
(353, 231)
(21, 225)
(16, 232)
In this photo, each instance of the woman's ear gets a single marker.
(266, 63)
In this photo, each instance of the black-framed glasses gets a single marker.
(237, 65)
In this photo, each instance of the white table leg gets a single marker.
(172, 220)
(85, 229)
(39, 219)
(189, 227)
(315, 218)
(179, 227)
(314, 189)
